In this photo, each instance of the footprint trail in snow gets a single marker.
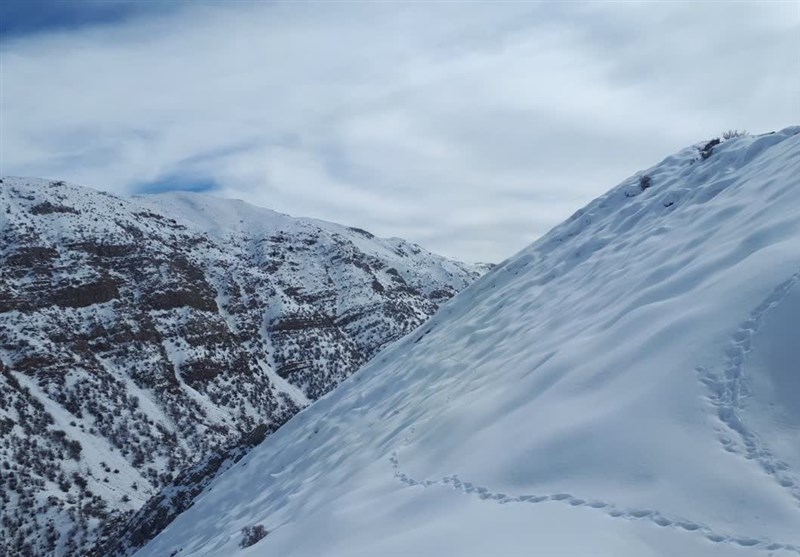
(727, 389)
(609, 509)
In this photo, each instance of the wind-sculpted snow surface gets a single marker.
(626, 386)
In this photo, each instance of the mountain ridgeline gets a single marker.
(141, 336)
(627, 385)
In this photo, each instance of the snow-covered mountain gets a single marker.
(626, 386)
(139, 336)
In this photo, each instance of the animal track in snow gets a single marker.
(728, 389)
(609, 509)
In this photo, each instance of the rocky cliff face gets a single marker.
(139, 336)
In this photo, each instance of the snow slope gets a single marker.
(626, 386)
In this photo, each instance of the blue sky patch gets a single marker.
(19, 18)
(177, 183)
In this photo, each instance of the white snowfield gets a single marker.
(629, 385)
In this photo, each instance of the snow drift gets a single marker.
(627, 385)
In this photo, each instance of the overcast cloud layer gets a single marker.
(470, 128)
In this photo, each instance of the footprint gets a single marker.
(662, 521)
(640, 513)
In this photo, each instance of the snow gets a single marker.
(176, 353)
(627, 385)
(248, 224)
(192, 306)
(96, 450)
(283, 386)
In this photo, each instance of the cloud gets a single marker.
(470, 128)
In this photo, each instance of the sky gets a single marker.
(470, 128)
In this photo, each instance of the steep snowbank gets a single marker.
(626, 386)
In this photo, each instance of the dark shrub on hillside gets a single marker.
(252, 534)
(708, 148)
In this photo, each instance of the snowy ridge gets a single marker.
(240, 223)
(624, 386)
(139, 337)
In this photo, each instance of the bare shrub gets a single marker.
(730, 134)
